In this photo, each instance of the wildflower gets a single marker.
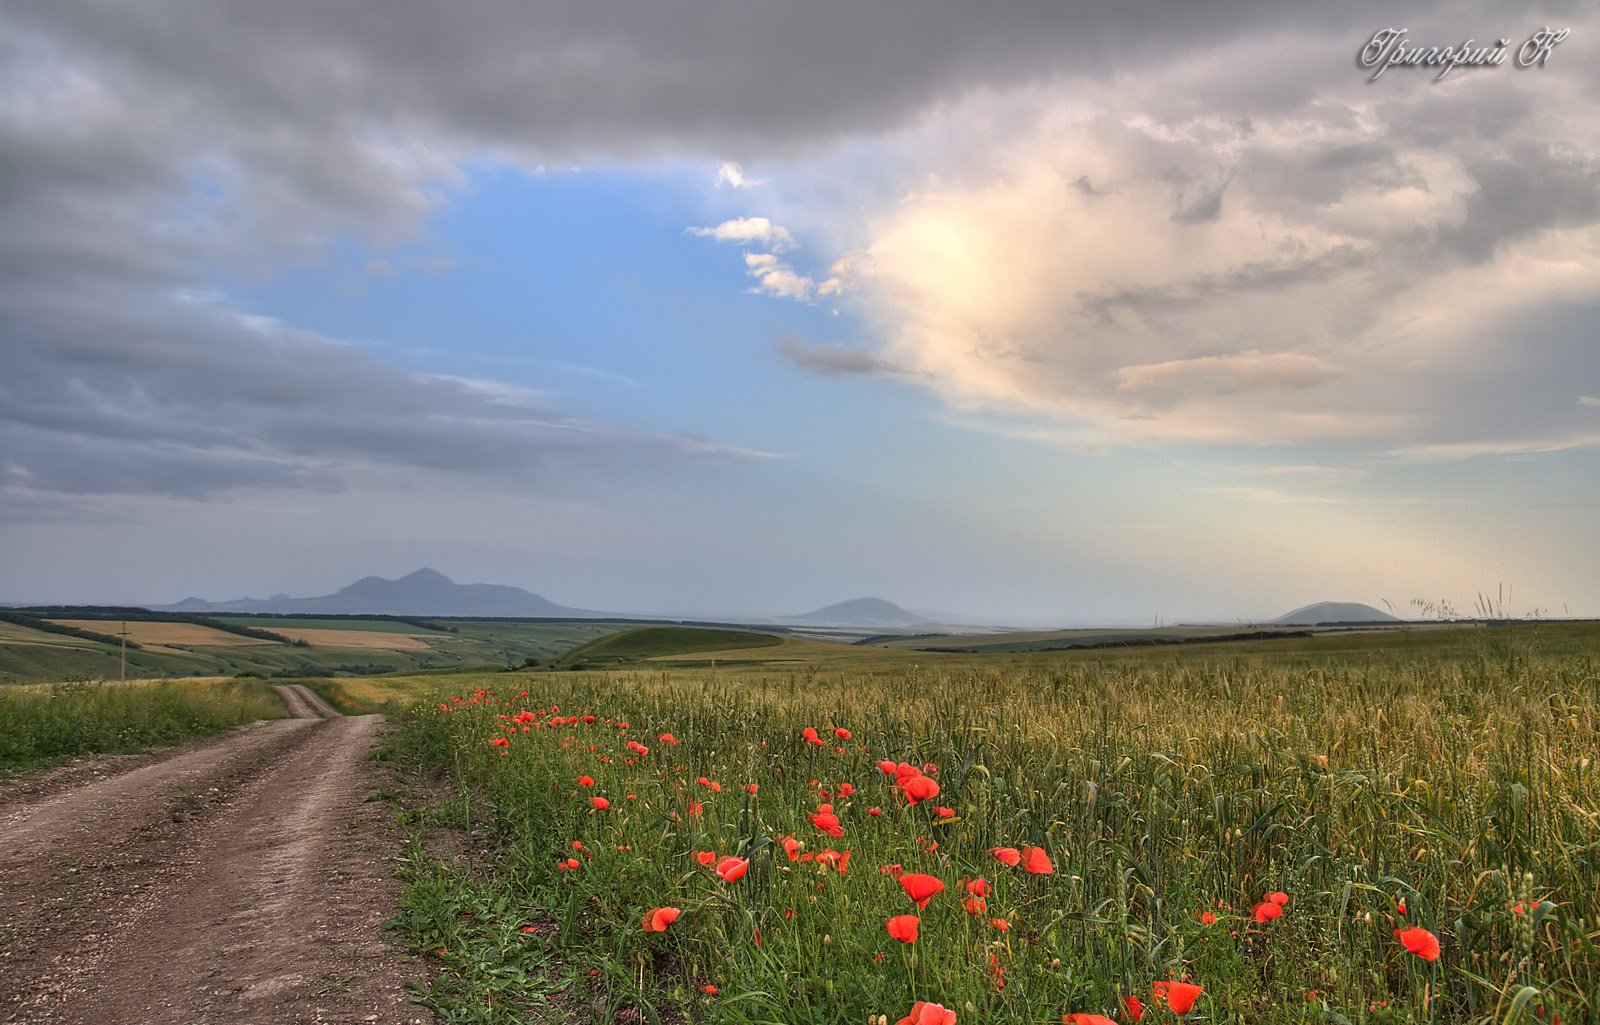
(600, 803)
(924, 1013)
(1266, 911)
(1010, 855)
(886, 767)
(874, 811)
(903, 928)
(1086, 1019)
(1037, 861)
(732, 869)
(585, 781)
(841, 733)
(1000, 924)
(810, 733)
(657, 919)
(1180, 996)
(978, 887)
(920, 788)
(500, 742)
(839, 861)
(1208, 918)
(750, 788)
(920, 888)
(1277, 897)
(705, 857)
(827, 821)
(1135, 1007)
(1419, 941)
(976, 906)
(709, 989)
(791, 847)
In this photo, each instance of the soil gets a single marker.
(244, 879)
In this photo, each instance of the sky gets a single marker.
(1034, 313)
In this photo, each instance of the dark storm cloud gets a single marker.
(143, 138)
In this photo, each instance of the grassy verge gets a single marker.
(42, 726)
(1169, 796)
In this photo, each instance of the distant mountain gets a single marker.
(1334, 612)
(869, 612)
(423, 593)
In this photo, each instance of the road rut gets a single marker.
(241, 880)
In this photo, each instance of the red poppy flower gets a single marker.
(585, 781)
(1208, 918)
(827, 821)
(709, 989)
(924, 1013)
(705, 857)
(1180, 996)
(1010, 855)
(1001, 924)
(1087, 1019)
(658, 919)
(903, 928)
(500, 742)
(1277, 897)
(750, 788)
(1135, 1007)
(975, 906)
(920, 888)
(1035, 860)
(732, 869)
(874, 812)
(791, 847)
(841, 733)
(978, 887)
(886, 767)
(1419, 941)
(810, 733)
(600, 803)
(1266, 911)
(920, 788)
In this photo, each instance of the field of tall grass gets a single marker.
(44, 725)
(1158, 837)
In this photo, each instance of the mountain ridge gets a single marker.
(423, 592)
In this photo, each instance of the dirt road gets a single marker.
(242, 880)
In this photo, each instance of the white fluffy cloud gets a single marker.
(1173, 259)
(749, 231)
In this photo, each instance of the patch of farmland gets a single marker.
(14, 633)
(320, 638)
(155, 634)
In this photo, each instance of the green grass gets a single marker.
(655, 641)
(44, 726)
(1453, 773)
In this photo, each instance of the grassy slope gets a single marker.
(42, 726)
(648, 642)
